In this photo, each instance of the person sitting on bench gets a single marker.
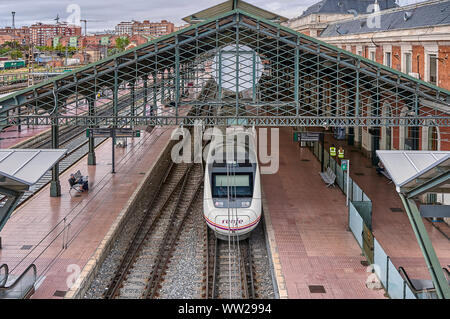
(72, 180)
(84, 185)
(380, 168)
(77, 179)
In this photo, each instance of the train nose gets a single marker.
(232, 222)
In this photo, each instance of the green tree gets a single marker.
(16, 54)
(122, 42)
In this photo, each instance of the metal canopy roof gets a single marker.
(304, 82)
(418, 172)
(21, 168)
(230, 5)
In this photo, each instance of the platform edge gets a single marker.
(94, 263)
(273, 251)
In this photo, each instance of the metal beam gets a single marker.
(434, 267)
(428, 185)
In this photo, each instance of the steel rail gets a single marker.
(168, 243)
(139, 240)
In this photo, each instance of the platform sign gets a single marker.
(98, 132)
(306, 136)
(344, 165)
(108, 132)
(127, 132)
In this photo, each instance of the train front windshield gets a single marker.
(239, 185)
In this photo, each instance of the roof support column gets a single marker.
(357, 93)
(144, 103)
(177, 78)
(163, 77)
(220, 75)
(296, 78)
(237, 65)
(434, 267)
(254, 77)
(115, 112)
(91, 112)
(19, 127)
(339, 108)
(133, 102)
(183, 79)
(318, 105)
(155, 93)
(55, 185)
(115, 93)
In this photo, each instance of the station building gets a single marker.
(413, 39)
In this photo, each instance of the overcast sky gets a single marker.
(105, 14)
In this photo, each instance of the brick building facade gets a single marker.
(414, 39)
(40, 33)
(145, 28)
(21, 35)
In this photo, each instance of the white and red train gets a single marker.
(232, 185)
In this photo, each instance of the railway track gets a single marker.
(144, 264)
(230, 269)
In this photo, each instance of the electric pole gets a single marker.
(14, 29)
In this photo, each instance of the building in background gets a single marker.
(20, 35)
(124, 28)
(145, 28)
(317, 17)
(40, 32)
(413, 39)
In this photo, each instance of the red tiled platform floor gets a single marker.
(95, 211)
(309, 223)
(392, 229)
(11, 136)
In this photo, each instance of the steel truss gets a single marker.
(284, 78)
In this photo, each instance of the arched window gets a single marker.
(433, 139)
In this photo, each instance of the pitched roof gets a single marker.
(432, 13)
(233, 5)
(344, 6)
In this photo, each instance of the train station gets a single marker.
(236, 158)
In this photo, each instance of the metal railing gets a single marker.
(22, 287)
(4, 271)
(391, 279)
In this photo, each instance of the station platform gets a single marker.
(11, 136)
(59, 235)
(392, 227)
(309, 226)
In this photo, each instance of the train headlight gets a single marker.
(218, 204)
(245, 204)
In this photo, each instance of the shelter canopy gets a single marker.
(22, 168)
(418, 172)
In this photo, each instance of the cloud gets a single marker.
(105, 14)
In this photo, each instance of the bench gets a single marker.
(329, 177)
(78, 187)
